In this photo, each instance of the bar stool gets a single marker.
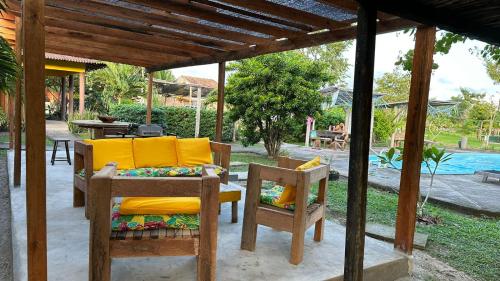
(54, 151)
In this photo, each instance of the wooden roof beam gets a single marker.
(352, 7)
(197, 12)
(282, 21)
(287, 13)
(286, 45)
(109, 8)
(124, 34)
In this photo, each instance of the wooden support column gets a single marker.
(149, 99)
(18, 108)
(71, 89)
(409, 189)
(360, 141)
(63, 98)
(198, 113)
(81, 105)
(220, 102)
(34, 78)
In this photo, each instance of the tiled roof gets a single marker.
(197, 81)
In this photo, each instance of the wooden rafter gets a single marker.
(286, 45)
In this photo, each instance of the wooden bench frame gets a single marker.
(296, 222)
(83, 159)
(104, 186)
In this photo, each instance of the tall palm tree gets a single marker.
(9, 68)
(120, 82)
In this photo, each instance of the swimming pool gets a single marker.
(461, 163)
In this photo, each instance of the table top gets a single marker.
(99, 124)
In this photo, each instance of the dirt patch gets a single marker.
(5, 222)
(427, 268)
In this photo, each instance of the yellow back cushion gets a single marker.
(112, 150)
(160, 205)
(193, 152)
(155, 152)
(288, 194)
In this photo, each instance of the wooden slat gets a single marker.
(278, 175)
(59, 9)
(7, 23)
(281, 220)
(314, 213)
(318, 173)
(288, 13)
(409, 190)
(164, 20)
(286, 45)
(352, 7)
(197, 12)
(147, 46)
(360, 138)
(18, 107)
(218, 5)
(154, 247)
(34, 77)
(156, 187)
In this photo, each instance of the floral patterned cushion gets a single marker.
(151, 222)
(163, 172)
(272, 195)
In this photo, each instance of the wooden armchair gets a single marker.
(106, 244)
(297, 221)
(83, 158)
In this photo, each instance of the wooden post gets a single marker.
(71, 89)
(149, 99)
(63, 98)
(34, 77)
(18, 108)
(220, 102)
(360, 141)
(81, 105)
(198, 113)
(414, 138)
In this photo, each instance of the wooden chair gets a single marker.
(105, 244)
(83, 158)
(297, 221)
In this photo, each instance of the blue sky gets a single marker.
(459, 68)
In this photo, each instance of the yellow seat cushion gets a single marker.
(229, 194)
(193, 152)
(155, 152)
(288, 195)
(160, 205)
(112, 150)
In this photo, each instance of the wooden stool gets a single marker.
(230, 193)
(54, 151)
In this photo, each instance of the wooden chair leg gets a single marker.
(297, 249)
(207, 257)
(234, 212)
(249, 231)
(319, 228)
(78, 197)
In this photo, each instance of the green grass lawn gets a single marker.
(467, 243)
(4, 138)
(450, 140)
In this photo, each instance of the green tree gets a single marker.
(119, 82)
(443, 45)
(493, 70)
(466, 100)
(395, 85)
(333, 55)
(272, 93)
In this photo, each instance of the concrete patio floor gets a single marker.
(68, 232)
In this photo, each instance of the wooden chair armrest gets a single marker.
(279, 175)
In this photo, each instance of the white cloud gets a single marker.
(459, 68)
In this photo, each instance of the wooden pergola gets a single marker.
(161, 34)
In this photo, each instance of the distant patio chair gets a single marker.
(340, 141)
(296, 221)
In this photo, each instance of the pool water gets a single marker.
(462, 163)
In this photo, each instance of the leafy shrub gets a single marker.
(330, 117)
(176, 120)
(4, 121)
(383, 126)
(87, 115)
